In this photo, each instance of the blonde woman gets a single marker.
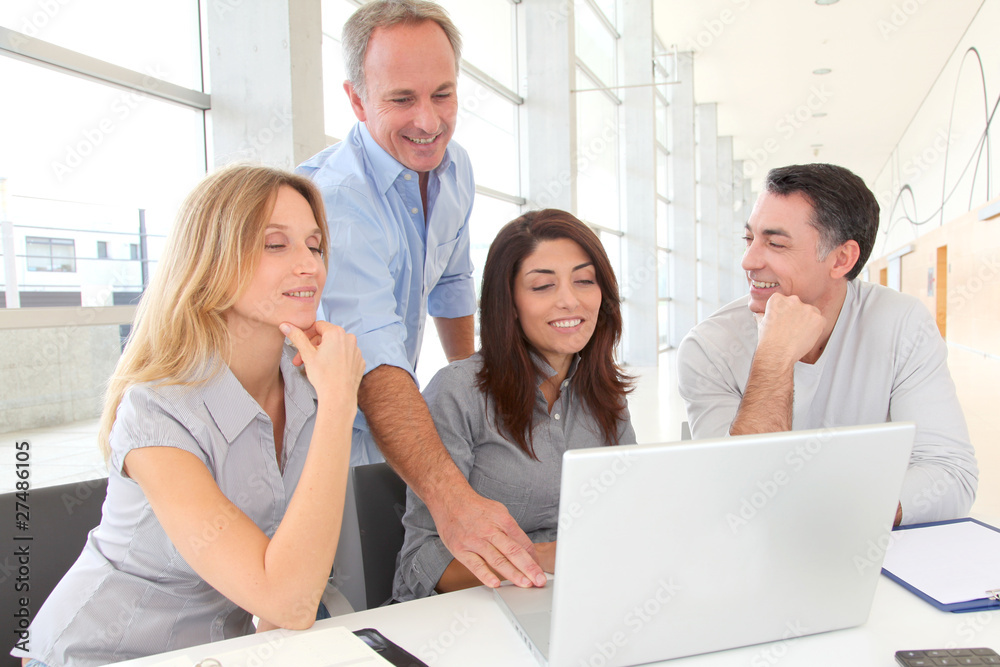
(227, 466)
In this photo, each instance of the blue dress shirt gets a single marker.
(388, 268)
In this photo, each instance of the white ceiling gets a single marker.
(755, 59)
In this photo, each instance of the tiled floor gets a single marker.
(69, 453)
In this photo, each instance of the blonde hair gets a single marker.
(179, 335)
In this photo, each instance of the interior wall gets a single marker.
(941, 167)
(973, 278)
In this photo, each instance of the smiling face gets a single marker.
(411, 98)
(782, 254)
(557, 299)
(290, 274)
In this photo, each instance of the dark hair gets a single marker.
(844, 209)
(508, 374)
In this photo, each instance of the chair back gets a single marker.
(51, 524)
(371, 535)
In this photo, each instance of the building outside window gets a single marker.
(45, 254)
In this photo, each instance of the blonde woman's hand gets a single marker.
(313, 337)
(333, 363)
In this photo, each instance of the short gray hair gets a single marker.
(844, 209)
(385, 14)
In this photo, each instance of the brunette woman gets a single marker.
(544, 381)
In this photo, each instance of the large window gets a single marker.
(663, 196)
(104, 165)
(338, 115)
(597, 125)
(102, 133)
(87, 157)
(160, 39)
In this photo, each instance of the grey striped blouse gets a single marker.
(495, 467)
(130, 594)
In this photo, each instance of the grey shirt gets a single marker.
(495, 467)
(885, 361)
(130, 594)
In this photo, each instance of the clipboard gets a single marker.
(991, 596)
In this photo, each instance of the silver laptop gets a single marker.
(670, 550)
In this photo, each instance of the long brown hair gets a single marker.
(180, 334)
(508, 374)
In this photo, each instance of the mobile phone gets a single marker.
(385, 648)
(948, 656)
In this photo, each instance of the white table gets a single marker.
(467, 629)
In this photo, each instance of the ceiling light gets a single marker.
(827, 2)
(816, 146)
(819, 114)
(822, 70)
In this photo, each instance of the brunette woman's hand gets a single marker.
(546, 553)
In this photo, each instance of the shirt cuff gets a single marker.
(383, 347)
(424, 570)
(453, 299)
(933, 494)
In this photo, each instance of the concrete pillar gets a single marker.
(725, 219)
(683, 279)
(638, 186)
(708, 200)
(548, 61)
(266, 69)
(741, 187)
(12, 293)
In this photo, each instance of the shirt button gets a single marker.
(556, 416)
(565, 383)
(407, 177)
(414, 210)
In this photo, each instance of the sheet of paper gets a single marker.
(954, 562)
(174, 662)
(326, 647)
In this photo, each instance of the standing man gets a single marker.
(399, 197)
(813, 347)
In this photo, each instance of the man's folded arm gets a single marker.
(943, 475)
(710, 395)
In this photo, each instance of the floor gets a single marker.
(69, 453)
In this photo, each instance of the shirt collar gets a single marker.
(385, 168)
(546, 371)
(233, 408)
(298, 390)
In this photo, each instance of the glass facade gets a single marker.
(91, 174)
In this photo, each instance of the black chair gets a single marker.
(371, 535)
(56, 520)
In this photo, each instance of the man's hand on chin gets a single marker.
(788, 328)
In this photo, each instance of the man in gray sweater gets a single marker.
(814, 347)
